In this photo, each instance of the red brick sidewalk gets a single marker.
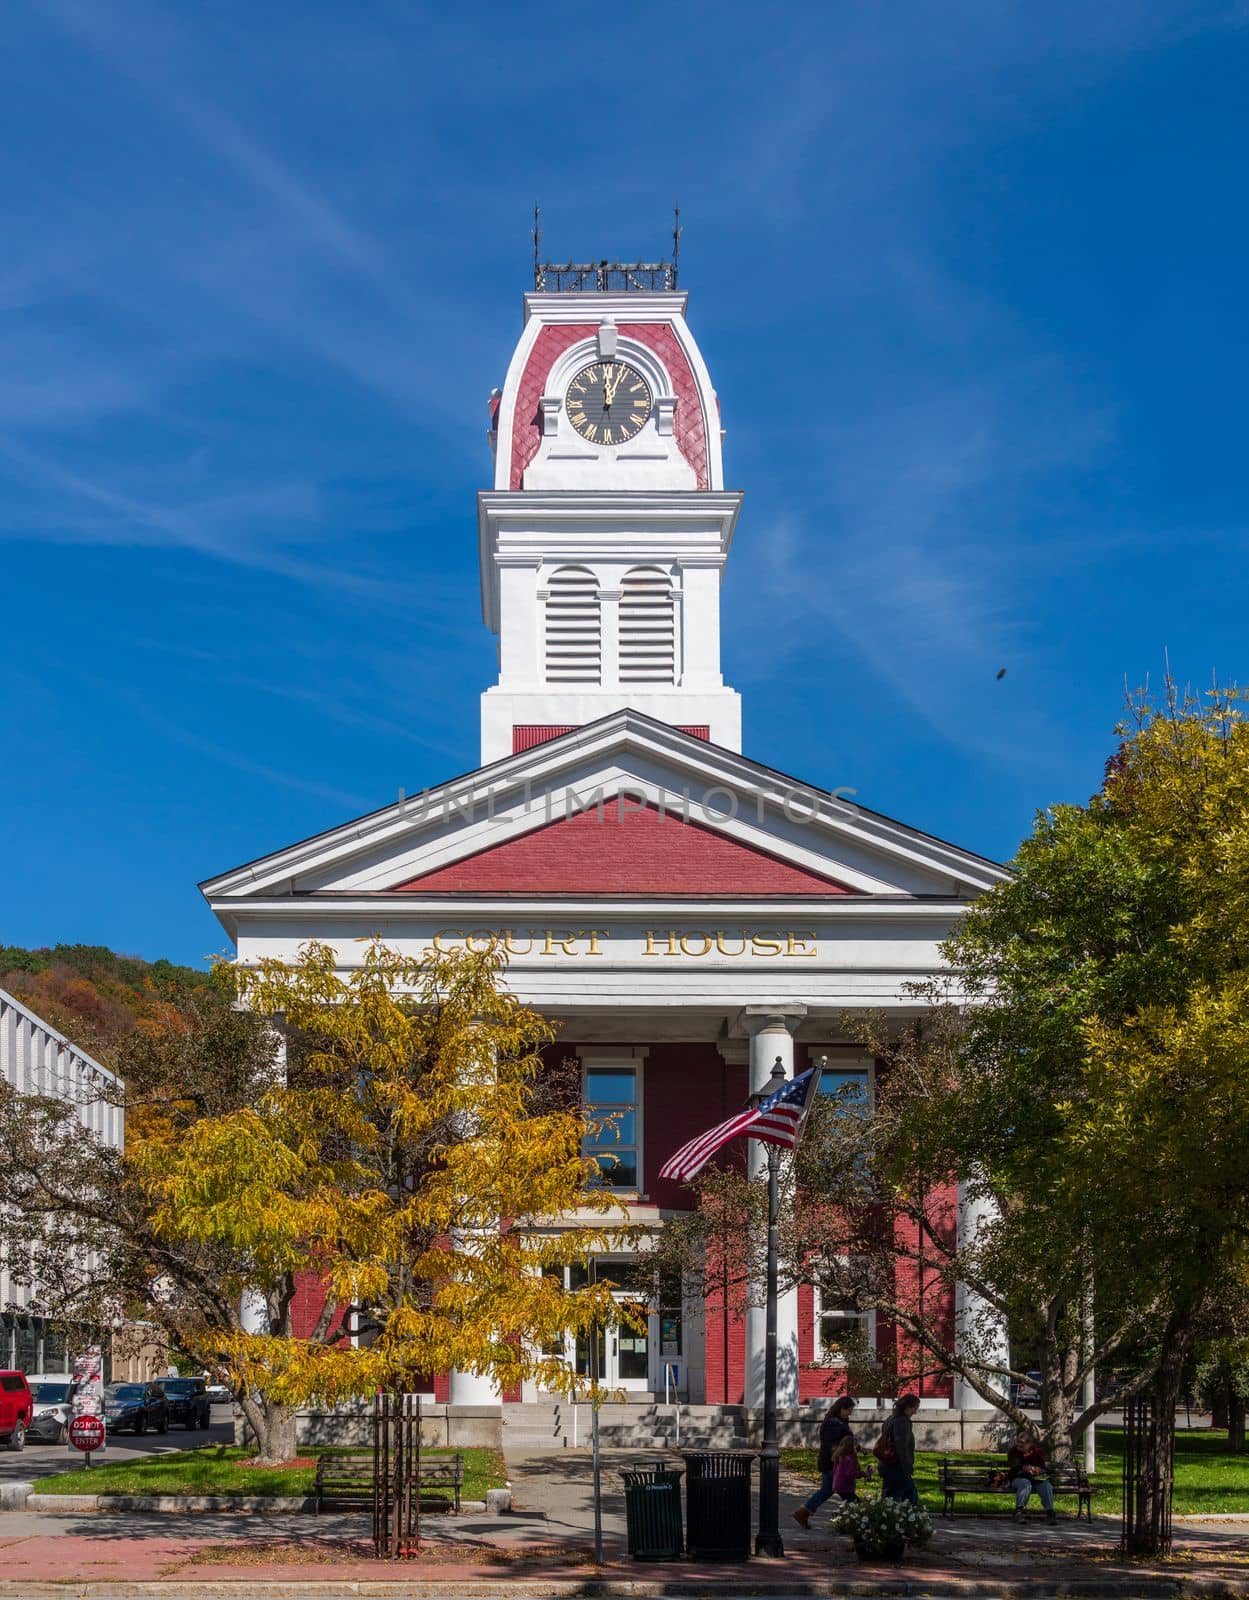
(180, 1563)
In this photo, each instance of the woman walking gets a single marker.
(895, 1449)
(834, 1428)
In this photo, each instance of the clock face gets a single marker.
(608, 402)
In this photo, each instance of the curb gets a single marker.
(497, 1502)
(622, 1588)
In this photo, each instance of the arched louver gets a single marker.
(647, 632)
(573, 628)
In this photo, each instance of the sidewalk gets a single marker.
(544, 1550)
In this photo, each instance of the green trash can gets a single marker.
(653, 1512)
(717, 1504)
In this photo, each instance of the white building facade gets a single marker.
(37, 1060)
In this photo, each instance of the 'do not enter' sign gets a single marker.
(86, 1433)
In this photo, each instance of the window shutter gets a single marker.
(647, 636)
(573, 629)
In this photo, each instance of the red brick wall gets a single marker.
(525, 735)
(307, 1305)
(626, 849)
(687, 1088)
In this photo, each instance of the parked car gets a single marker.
(188, 1401)
(16, 1409)
(1027, 1391)
(52, 1393)
(137, 1406)
(219, 1394)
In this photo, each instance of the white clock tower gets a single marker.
(605, 535)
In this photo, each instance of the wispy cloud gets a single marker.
(223, 530)
(143, 44)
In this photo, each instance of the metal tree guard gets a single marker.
(396, 1475)
(1146, 1495)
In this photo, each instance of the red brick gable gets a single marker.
(629, 850)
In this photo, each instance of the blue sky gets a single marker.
(969, 279)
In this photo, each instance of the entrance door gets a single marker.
(624, 1352)
(623, 1357)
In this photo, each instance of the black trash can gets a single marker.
(717, 1504)
(653, 1512)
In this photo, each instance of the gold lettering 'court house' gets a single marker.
(696, 942)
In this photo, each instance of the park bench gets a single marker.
(348, 1478)
(958, 1477)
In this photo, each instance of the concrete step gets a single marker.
(536, 1426)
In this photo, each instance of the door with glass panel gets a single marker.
(623, 1351)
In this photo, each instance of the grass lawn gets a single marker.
(220, 1469)
(1207, 1478)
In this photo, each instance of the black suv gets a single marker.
(137, 1406)
(188, 1401)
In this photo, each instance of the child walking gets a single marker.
(847, 1469)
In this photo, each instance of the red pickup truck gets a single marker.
(16, 1409)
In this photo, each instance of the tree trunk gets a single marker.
(1057, 1414)
(1236, 1424)
(273, 1426)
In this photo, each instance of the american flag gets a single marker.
(776, 1120)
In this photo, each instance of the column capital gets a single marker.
(783, 1016)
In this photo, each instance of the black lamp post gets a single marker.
(769, 1541)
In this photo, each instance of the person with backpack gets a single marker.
(833, 1430)
(895, 1450)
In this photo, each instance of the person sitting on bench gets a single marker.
(1026, 1468)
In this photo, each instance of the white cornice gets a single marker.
(591, 305)
(695, 525)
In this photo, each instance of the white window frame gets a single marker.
(820, 1356)
(626, 1058)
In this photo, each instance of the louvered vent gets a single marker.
(573, 650)
(647, 637)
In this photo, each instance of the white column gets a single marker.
(471, 1388)
(699, 623)
(976, 1325)
(468, 1389)
(771, 1036)
(521, 619)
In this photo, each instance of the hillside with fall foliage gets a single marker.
(96, 997)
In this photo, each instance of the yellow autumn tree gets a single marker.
(417, 1157)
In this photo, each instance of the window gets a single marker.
(840, 1331)
(573, 631)
(847, 1078)
(611, 1099)
(647, 642)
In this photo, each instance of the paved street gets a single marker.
(42, 1460)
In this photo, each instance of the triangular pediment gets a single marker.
(622, 848)
(624, 807)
